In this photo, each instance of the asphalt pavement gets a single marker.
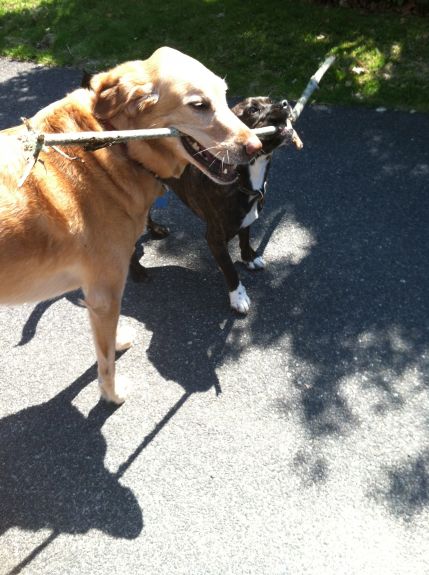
(291, 441)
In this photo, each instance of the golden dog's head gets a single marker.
(170, 89)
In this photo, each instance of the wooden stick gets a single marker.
(34, 148)
(94, 140)
(312, 85)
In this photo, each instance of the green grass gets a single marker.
(262, 47)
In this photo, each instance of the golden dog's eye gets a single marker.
(200, 105)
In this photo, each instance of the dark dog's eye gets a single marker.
(200, 105)
(253, 110)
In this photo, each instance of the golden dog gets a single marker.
(74, 221)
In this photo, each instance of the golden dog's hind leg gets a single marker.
(104, 304)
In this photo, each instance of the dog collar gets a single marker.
(254, 193)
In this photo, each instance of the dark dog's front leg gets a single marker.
(248, 255)
(137, 271)
(157, 231)
(238, 297)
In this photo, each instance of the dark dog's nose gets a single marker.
(287, 107)
(279, 111)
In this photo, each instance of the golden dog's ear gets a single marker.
(123, 97)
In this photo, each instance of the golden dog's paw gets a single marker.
(116, 393)
(125, 336)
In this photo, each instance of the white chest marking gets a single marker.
(257, 175)
(257, 171)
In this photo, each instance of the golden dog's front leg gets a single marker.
(104, 307)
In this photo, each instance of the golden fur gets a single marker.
(74, 222)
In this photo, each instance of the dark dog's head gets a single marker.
(261, 112)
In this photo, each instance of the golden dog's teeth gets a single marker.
(225, 171)
(195, 146)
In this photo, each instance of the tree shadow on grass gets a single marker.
(260, 53)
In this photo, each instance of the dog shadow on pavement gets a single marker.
(52, 473)
(191, 324)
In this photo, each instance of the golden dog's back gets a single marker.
(12, 160)
(30, 216)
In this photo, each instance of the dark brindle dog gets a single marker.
(230, 210)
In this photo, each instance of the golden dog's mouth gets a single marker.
(215, 168)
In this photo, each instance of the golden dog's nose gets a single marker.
(253, 146)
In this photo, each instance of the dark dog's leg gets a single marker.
(137, 271)
(248, 255)
(157, 231)
(238, 297)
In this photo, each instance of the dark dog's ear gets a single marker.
(117, 95)
(239, 108)
(86, 80)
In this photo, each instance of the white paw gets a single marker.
(125, 335)
(118, 393)
(257, 264)
(239, 299)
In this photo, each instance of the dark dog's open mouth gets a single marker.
(208, 163)
(284, 134)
